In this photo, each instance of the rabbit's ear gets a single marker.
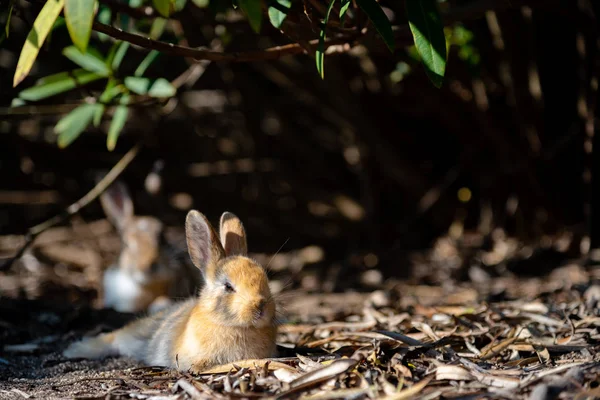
(233, 235)
(203, 244)
(117, 205)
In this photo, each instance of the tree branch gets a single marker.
(470, 11)
(272, 53)
(92, 195)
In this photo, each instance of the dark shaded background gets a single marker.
(363, 167)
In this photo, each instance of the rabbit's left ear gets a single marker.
(233, 235)
(203, 244)
(118, 205)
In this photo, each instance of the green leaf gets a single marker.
(162, 88)
(89, 60)
(178, 5)
(111, 53)
(320, 52)
(158, 27)
(41, 27)
(58, 83)
(139, 71)
(17, 102)
(428, 33)
(10, 10)
(344, 10)
(59, 77)
(74, 123)
(116, 61)
(79, 15)
(112, 89)
(276, 15)
(379, 20)
(138, 85)
(98, 115)
(159, 88)
(164, 7)
(117, 123)
(253, 12)
(201, 3)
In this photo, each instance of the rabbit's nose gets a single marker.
(260, 308)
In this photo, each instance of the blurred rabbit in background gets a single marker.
(149, 273)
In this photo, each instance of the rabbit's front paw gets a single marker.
(199, 367)
(97, 347)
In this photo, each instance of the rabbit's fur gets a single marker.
(232, 318)
(147, 276)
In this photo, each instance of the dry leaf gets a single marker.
(410, 392)
(251, 363)
(453, 373)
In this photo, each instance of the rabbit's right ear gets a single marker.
(117, 204)
(203, 244)
(233, 235)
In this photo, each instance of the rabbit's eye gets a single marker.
(229, 288)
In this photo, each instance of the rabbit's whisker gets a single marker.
(277, 252)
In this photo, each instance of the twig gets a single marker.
(277, 52)
(272, 53)
(187, 387)
(75, 207)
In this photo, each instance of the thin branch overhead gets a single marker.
(272, 53)
(74, 208)
(347, 41)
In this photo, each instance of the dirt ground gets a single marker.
(491, 337)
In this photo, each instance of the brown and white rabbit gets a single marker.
(231, 319)
(147, 275)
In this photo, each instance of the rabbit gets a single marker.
(147, 275)
(232, 318)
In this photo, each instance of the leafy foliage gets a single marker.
(74, 123)
(41, 28)
(463, 39)
(118, 122)
(320, 53)
(278, 13)
(124, 88)
(344, 10)
(11, 6)
(90, 61)
(119, 52)
(428, 33)
(59, 83)
(79, 16)
(379, 20)
(164, 7)
(253, 11)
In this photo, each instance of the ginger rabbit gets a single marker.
(231, 319)
(147, 275)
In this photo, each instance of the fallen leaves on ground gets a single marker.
(501, 337)
(511, 349)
